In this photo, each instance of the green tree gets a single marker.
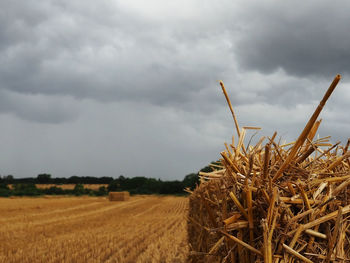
(78, 190)
(101, 191)
(43, 178)
(191, 180)
(26, 190)
(8, 179)
(53, 190)
(4, 190)
(114, 186)
(172, 187)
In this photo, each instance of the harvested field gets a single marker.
(92, 229)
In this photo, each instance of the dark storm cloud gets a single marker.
(303, 39)
(112, 51)
(106, 52)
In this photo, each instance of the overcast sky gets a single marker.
(104, 88)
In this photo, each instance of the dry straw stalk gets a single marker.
(272, 202)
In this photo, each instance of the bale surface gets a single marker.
(119, 196)
(274, 202)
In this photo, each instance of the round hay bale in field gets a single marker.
(118, 196)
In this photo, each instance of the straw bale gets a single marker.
(274, 202)
(119, 196)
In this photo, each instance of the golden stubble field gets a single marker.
(92, 229)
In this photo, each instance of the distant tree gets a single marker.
(4, 190)
(43, 178)
(191, 180)
(102, 191)
(74, 180)
(208, 168)
(4, 186)
(105, 180)
(59, 180)
(133, 183)
(8, 179)
(26, 190)
(114, 186)
(151, 186)
(78, 190)
(172, 187)
(53, 190)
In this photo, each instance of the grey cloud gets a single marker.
(38, 108)
(66, 49)
(168, 59)
(302, 38)
(70, 50)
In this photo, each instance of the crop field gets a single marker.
(93, 229)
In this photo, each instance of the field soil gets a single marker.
(93, 229)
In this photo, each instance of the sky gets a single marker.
(109, 88)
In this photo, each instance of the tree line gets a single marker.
(135, 185)
(48, 179)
